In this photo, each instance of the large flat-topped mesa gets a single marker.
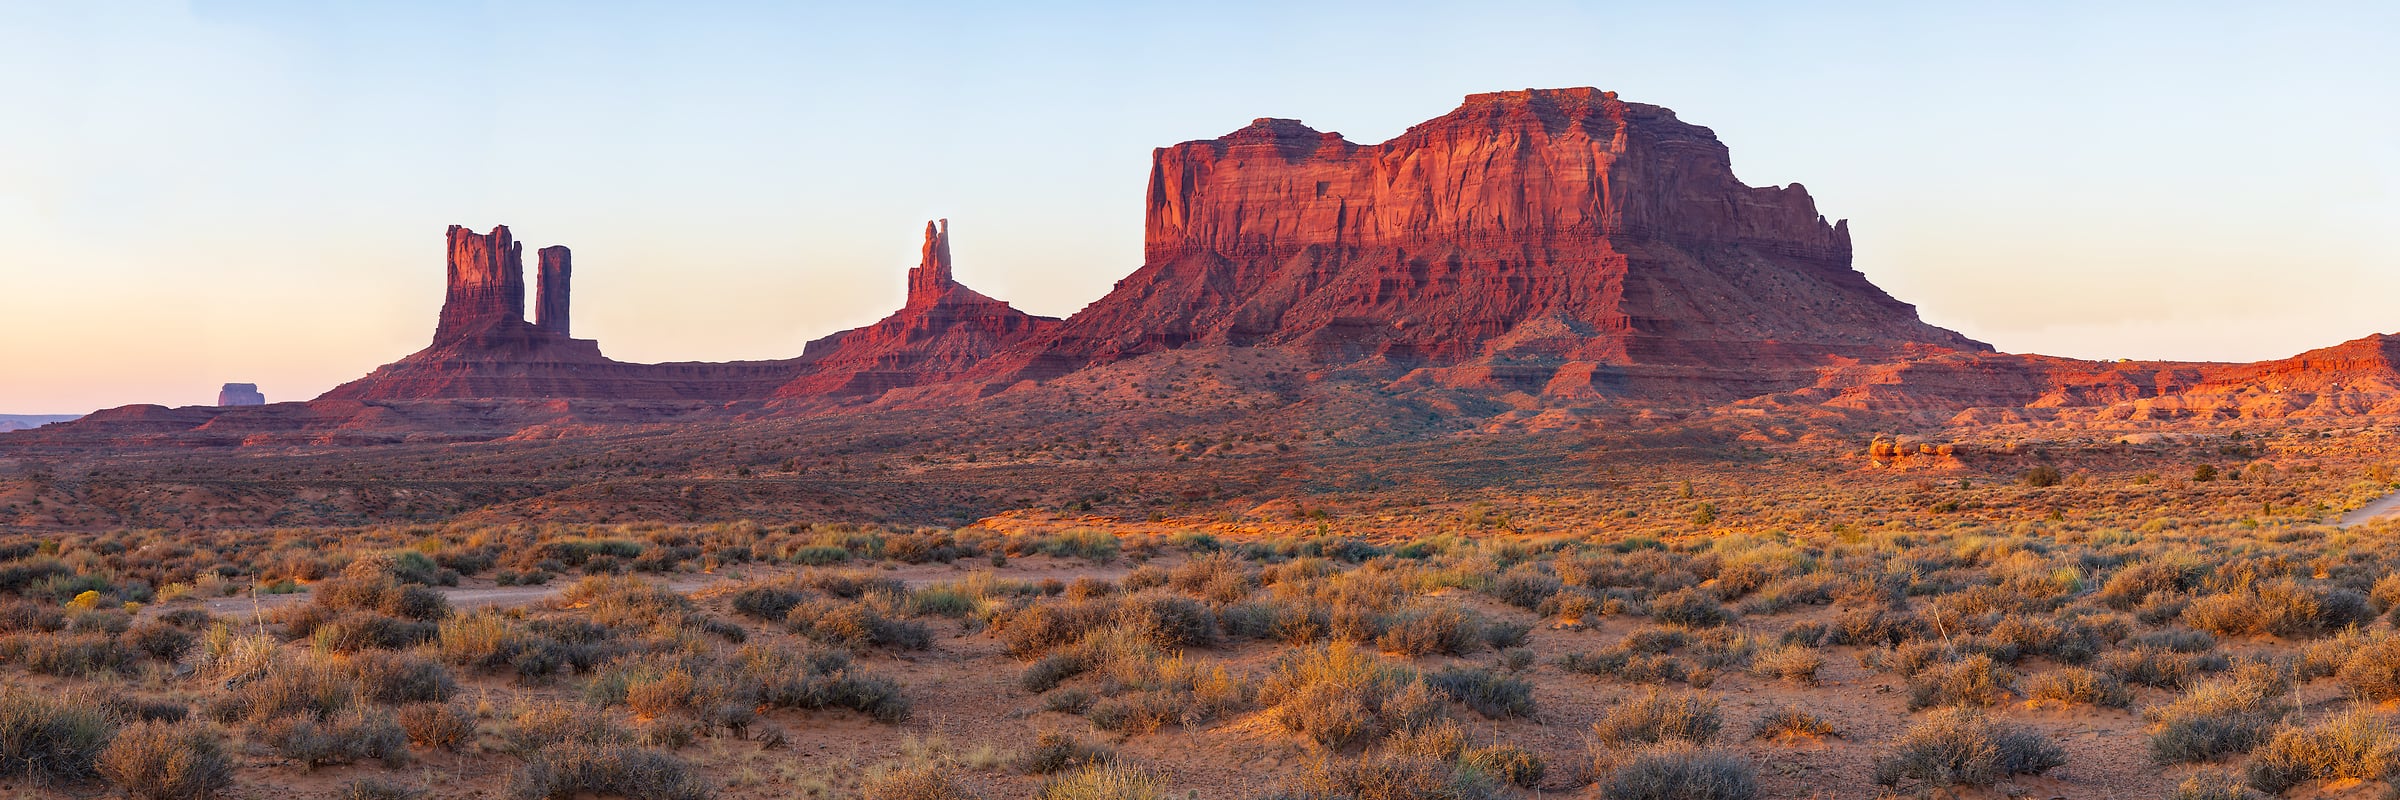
(1545, 229)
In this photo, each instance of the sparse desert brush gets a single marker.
(2078, 685)
(2372, 669)
(532, 726)
(47, 738)
(1958, 746)
(1337, 695)
(2282, 607)
(1792, 722)
(1489, 693)
(1168, 620)
(1790, 662)
(1395, 776)
(1690, 609)
(572, 769)
(357, 734)
(1055, 752)
(1103, 782)
(2357, 745)
(166, 761)
(2218, 717)
(1973, 681)
(437, 726)
(1442, 629)
(1657, 717)
(2214, 784)
(2162, 668)
(857, 624)
(1677, 770)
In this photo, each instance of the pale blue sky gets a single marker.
(195, 193)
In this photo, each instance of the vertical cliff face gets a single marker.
(550, 289)
(943, 330)
(1544, 228)
(487, 283)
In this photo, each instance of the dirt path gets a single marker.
(2384, 506)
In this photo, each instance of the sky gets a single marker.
(195, 193)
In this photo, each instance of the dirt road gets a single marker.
(2384, 506)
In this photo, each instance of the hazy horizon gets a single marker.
(212, 192)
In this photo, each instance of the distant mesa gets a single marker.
(240, 394)
(1537, 247)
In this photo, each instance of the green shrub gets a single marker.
(166, 761)
(1957, 746)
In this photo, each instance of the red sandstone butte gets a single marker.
(943, 331)
(1564, 231)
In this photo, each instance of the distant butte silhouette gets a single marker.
(1543, 247)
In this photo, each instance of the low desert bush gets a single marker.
(2372, 670)
(2161, 667)
(575, 769)
(1489, 693)
(1659, 717)
(2217, 718)
(1103, 782)
(2356, 745)
(49, 737)
(1957, 746)
(437, 726)
(1790, 722)
(857, 624)
(1790, 662)
(359, 734)
(1678, 770)
(1690, 609)
(1440, 630)
(1395, 776)
(1337, 695)
(1055, 752)
(2078, 685)
(2214, 784)
(166, 761)
(1973, 681)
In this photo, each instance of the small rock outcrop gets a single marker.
(944, 330)
(240, 394)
